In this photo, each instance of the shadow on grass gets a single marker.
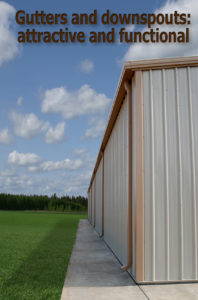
(42, 274)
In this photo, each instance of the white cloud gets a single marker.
(86, 66)
(42, 184)
(9, 172)
(27, 126)
(148, 51)
(36, 163)
(55, 135)
(85, 157)
(23, 159)
(77, 183)
(19, 101)
(85, 101)
(5, 137)
(8, 41)
(27, 172)
(66, 164)
(50, 166)
(78, 152)
(96, 130)
(22, 184)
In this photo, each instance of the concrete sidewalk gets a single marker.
(94, 273)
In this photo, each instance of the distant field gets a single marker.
(34, 253)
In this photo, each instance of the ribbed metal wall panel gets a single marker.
(115, 186)
(88, 196)
(193, 75)
(98, 203)
(89, 205)
(132, 271)
(93, 203)
(171, 173)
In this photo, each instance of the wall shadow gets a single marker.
(93, 264)
(41, 275)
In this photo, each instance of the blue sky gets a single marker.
(55, 99)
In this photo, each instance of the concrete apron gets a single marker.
(94, 273)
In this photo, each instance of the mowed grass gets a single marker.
(35, 249)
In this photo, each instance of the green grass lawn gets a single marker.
(35, 249)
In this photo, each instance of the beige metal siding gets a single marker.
(193, 107)
(98, 194)
(133, 173)
(92, 204)
(115, 186)
(171, 173)
(89, 205)
(88, 195)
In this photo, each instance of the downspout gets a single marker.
(128, 89)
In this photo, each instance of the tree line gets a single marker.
(43, 202)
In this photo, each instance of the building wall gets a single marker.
(115, 186)
(132, 271)
(89, 205)
(98, 187)
(93, 203)
(171, 174)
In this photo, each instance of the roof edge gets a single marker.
(164, 63)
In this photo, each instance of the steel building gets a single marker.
(143, 194)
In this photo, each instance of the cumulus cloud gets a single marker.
(84, 155)
(85, 101)
(9, 172)
(28, 125)
(23, 159)
(42, 184)
(77, 183)
(96, 130)
(148, 51)
(36, 163)
(86, 66)
(8, 41)
(27, 172)
(55, 135)
(66, 164)
(5, 137)
(19, 101)
(23, 184)
(78, 152)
